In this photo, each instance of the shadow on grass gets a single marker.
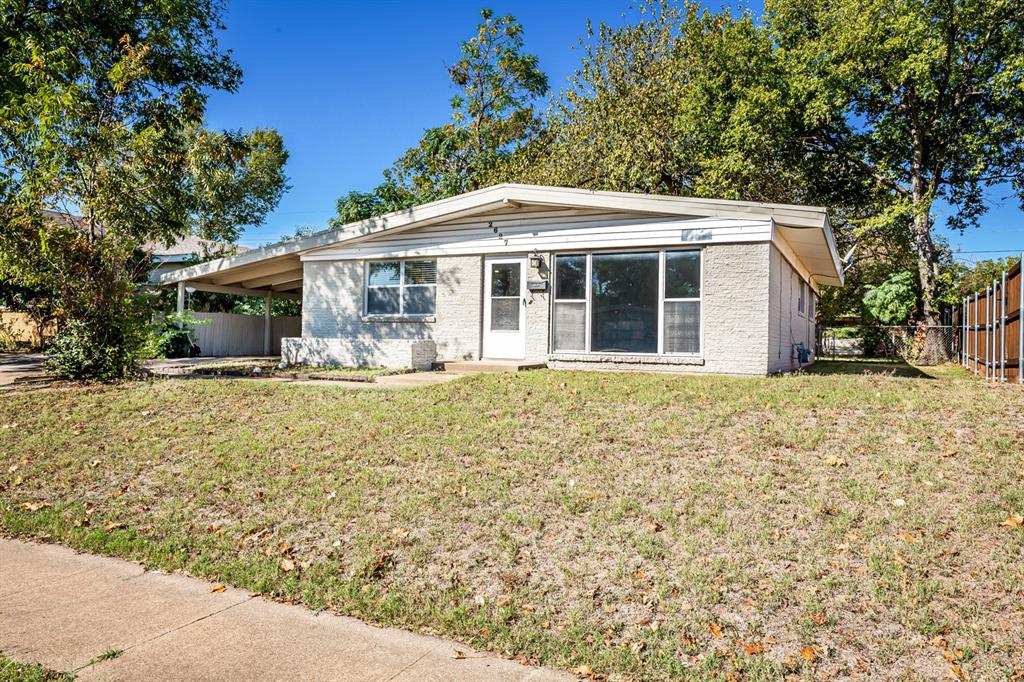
(896, 368)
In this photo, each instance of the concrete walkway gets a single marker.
(64, 610)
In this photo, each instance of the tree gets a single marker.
(102, 114)
(893, 301)
(923, 97)
(492, 116)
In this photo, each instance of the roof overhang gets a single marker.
(278, 267)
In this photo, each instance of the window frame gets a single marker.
(401, 287)
(801, 301)
(662, 299)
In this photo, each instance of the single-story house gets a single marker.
(567, 277)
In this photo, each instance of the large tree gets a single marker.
(101, 115)
(493, 115)
(924, 97)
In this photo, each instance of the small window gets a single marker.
(570, 323)
(681, 316)
(803, 296)
(401, 287)
(813, 304)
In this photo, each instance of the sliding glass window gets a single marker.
(631, 303)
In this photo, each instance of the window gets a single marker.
(401, 287)
(648, 302)
(682, 302)
(570, 315)
(813, 303)
(802, 298)
(624, 303)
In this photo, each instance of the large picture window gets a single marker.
(634, 303)
(401, 287)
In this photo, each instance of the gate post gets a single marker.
(1002, 329)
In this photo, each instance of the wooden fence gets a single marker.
(231, 334)
(990, 325)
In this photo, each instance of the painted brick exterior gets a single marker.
(788, 326)
(334, 329)
(749, 310)
(735, 310)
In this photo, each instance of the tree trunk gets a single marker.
(927, 262)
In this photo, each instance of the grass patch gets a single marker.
(12, 671)
(647, 526)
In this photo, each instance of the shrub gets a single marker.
(172, 336)
(93, 351)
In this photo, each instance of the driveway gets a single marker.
(16, 365)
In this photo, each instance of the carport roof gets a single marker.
(278, 267)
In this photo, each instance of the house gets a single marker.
(568, 277)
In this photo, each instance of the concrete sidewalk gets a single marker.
(64, 610)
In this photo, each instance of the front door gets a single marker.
(505, 308)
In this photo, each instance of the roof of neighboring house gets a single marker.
(187, 246)
(278, 266)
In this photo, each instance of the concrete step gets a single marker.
(474, 366)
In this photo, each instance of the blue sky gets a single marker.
(351, 85)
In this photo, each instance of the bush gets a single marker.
(172, 337)
(91, 351)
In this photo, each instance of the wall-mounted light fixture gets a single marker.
(536, 260)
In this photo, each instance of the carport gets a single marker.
(253, 273)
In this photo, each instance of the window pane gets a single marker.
(384, 273)
(421, 272)
(570, 277)
(505, 314)
(682, 327)
(505, 279)
(570, 325)
(382, 300)
(418, 300)
(682, 274)
(624, 291)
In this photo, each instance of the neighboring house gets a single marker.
(164, 258)
(568, 277)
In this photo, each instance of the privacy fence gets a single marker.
(990, 328)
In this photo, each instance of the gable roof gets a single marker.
(807, 228)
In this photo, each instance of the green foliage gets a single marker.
(88, 351)
(171, 337)
(893, 301)
(923, 99)
(102, 110)
(492, 116)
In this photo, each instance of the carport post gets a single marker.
(181, 297)
(267, 331)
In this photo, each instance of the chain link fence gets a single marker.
(925, 344)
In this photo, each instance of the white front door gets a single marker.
(505, 308)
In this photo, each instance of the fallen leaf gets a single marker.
(287, 565)
(753, 649)
(639, 575)
(11, 469)
(939, 641)
(215, 588)
(114, 525)
(12, 425)
(899, 502)
(400, 532)
(95, 462)
(653, 526)
(458, 655)
(956, 672)
(715, 629)
(809, 654)
(834, 461)
(1013, 521)
(818, 618)
(34, 506)
(582, 671)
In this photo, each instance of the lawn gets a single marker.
(632, 526)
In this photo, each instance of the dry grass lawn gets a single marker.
(629, 526)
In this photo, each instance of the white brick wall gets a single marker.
(744, 288)
(788, 326)
(359, 352)
(332, 313)
(735, 310)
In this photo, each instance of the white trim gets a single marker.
(401, 315)
(500, 351)
(508, 196)
(588, 305)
